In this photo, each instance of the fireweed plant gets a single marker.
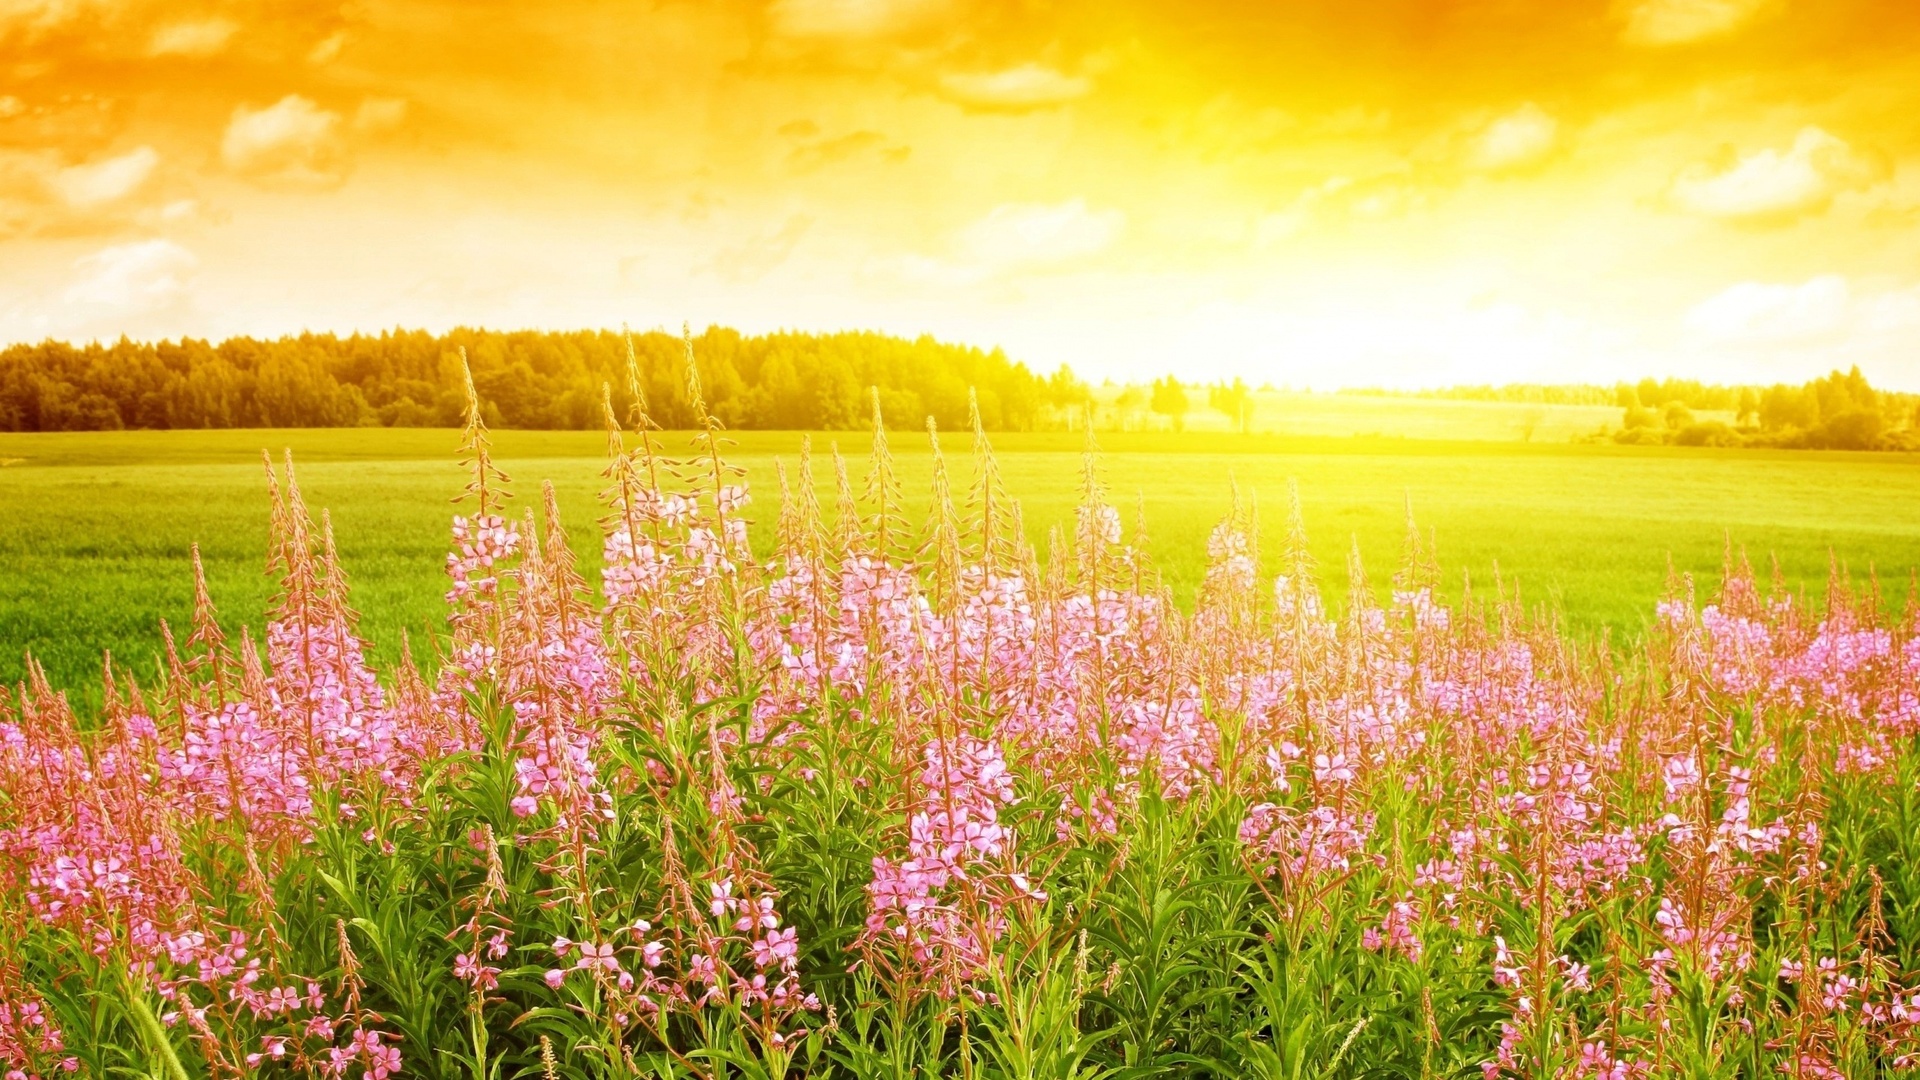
(908, 803)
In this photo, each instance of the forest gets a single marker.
(793, 381)
(528, 379)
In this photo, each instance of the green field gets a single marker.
(95, 529)
(1298, 413)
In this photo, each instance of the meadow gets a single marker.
(96, 528)
(1306, 413)
(847, 804)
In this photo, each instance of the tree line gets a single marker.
(780, 381)
(527, 379)
(1841, 411)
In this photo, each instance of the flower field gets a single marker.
(919, 801)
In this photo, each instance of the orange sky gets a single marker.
(1308, 192)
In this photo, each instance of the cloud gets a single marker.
(43, 194)
(36, 16)
(1010, 238)
(180, 210)
(1015, 89)
(761, 255)
(1339, 198)
(1035, 234)
(852, 18)
(194, 37)
(327, 49)
(1678, 22)
(11, 106)
(292, 142)
(1514, 142)
(1760, 312)
(136, 278)
(85, 187)
(1792, 329)
(812, 156)
(1774, 187)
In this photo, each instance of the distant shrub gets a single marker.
(1641, 436)
(1855, 429)
(1707, 433)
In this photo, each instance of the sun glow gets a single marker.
(1408, 193)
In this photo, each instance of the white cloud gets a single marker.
(193, 37)
(327, 49)
(41, 192)
(1772, 186)
(762, 254)
(1015, 89)
(1031, 234)
(1678, 22)
(134, 278)
(851, 18)
(815, 154)
(39, 15)
(1761, 312)
(1785, 330)
(11, 106)
(1272, 229)
(1519, 140)
(1011, 238)
(292, 141)
(84, 187)
(1337, 199)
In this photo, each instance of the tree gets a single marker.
(1855, 429)
(1170, 400)
(1068, 395)
(1234, 401)
(1637, 418)
(1128, 403)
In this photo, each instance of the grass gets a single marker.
(1297, 413)
(95, 529)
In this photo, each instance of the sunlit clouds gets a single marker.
(1519, 140)
(107, 181)
(1774, 186)
(292, 141)
(1410, 192)
(134, 279)
(1027, 86)
(192, 37)
(1681, 22)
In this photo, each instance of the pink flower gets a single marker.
(597, 956)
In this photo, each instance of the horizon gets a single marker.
(1416, 195)
(1092, 379)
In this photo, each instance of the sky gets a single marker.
(1309, 193)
